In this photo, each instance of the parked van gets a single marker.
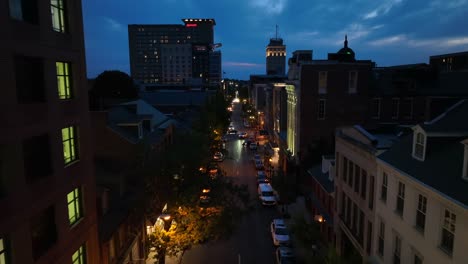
(266, 194)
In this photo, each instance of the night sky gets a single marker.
(389, 32)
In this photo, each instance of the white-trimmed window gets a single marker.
(383, 192)
(69, 140)
(381, 239)
(57, 9)
(400, 203)
(397, 250)
(375, 108)
(352, 82)
(421, 213)
(322, 82)
(448, 231)
(321, 109)
(74, 206)
(63, 80)
(419, 147)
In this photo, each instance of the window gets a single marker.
(3, 251)
(381, 242)
(383, 193)
(395, 108)
(417, 259)
(29, 77)
(74, 206)
(348, 211)
(43, 232)
(407, 108)
(69, 139)
(371, 192)
(448, 231)
(321, 109)
(79, 257)
(397, 250)
(419, 146)
(351, 174)
(369, 237)
(355, 218)
(25, 10)
(357, 171)
(57, 9)
(375, 108)
(363, 183)
(322, 84)
(352, 82)
(343, 204)
(421, 213)
(400, 198)
(63, 80)
(37, 157)
(345, 169)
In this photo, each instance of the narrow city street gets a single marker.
(251, 242)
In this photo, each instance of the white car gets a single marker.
(279, 232)
(267, 194)
(218, 156)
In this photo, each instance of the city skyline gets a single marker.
(389, 32)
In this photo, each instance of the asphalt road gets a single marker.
(251, 243)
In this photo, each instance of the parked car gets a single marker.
(279, 232)
(212, 169)
(253, 146)
(205, 196)
(257, 157)
(266, 194)
(232, 132)
(247, 142)
(218, 156)
(243, 135)
(231, 127)
(259, 165)
(285, 255)
(262, 177)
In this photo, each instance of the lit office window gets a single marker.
(79, 257)
(63, 80)
(57, 10)
(74, 206)
(69, 139)
(3, 253)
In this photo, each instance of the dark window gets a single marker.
(363, 184)
(400, 198)
(37, 157)
(397, 250)
(351, 174)
(395, 108)
(321, 109)
(25, 10)
(343, 204)
(147, 125)
(43, 232)
(381, 239)
(348, 211)
(375, 110)
(371, 192)
(417, 259)
(29, 76)
(345, 169)
(407, 108)
(421, 213)
(357, 172)
(355, 218)
(448, 231)
(383, 193)
(369, 237)
(361, 227)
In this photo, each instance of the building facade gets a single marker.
(173, 54)
(421, 210)
(276, 57)
(48, 193)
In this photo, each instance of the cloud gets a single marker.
(113, 24)
(429, 42)
(270, 6)
(382, 9)
(242, 64)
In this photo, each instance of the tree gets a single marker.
(111, 85)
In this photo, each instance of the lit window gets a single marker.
(419, 146)
(3, 253)
(448, 231)
(74, 206)
(395, 108)
(57, 9)
(421, 213)
(322, 82)
(69, 139)
(63, 80)
(321, 109)
(79, 257)
(400, 198)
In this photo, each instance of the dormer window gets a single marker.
(419, 147)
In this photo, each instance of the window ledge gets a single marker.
(76, 223)
(419, 230)
(71, 163)
(446, 251)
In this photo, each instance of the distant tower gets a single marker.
(276, 56)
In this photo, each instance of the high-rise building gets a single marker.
(47, 184)
(177, 54)
(276, 57)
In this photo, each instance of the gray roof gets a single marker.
(176, 98)
(322, 178)
(442, 167)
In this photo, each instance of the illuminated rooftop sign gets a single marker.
(191, 25)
